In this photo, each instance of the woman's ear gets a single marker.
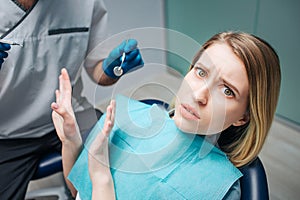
(243, 120)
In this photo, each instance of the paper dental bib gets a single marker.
(151, 158)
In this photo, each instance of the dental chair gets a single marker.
(254, 184)
(49, 165)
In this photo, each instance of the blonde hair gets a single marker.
(243, 144)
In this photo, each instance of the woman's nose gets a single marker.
(202, 93)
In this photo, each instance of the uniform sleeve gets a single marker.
(98, 34)
(234, 193)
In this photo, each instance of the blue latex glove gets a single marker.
(133, 59)
(3, 54)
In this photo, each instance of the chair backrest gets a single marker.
(48, 165)
(254, 184)
(156, 101)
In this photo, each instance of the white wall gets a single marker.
(139, 19)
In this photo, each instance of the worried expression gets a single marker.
(214, 94)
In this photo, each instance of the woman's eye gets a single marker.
(228, 92)
(201, 72)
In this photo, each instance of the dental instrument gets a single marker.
(118, 71)
(10, 42)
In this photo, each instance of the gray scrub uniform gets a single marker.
(54, 34)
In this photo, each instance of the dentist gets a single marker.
(53, 34)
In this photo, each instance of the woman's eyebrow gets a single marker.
(202, 66)
(231, 86)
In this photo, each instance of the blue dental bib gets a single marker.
(150, 158)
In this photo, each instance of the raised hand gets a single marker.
(98, 151)
(63, 115)
(98, 159)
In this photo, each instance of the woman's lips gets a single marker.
(189, 112)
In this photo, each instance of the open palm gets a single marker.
(63, 115)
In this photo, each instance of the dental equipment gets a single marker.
(118, 71)
(10, 42)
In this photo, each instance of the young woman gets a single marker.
(231, 91)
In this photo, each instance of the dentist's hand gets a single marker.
(3, 54)
(133, 59)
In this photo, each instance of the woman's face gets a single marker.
(214, 94)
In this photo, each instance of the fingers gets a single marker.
(58, 123)
(113, 104)
(54, 106)
(4, 46)
(134, 58)
(133, 61)
(116, 52)
(131, 44)
(57, 96)
(132, 55)
(99, 147)
(65, 87)
(63, 95)
(125, 46)
(59, 109)
(3, 54)
(110, 118)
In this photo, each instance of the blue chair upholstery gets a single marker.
(254, 184)
(48, 165)
(156, 101)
